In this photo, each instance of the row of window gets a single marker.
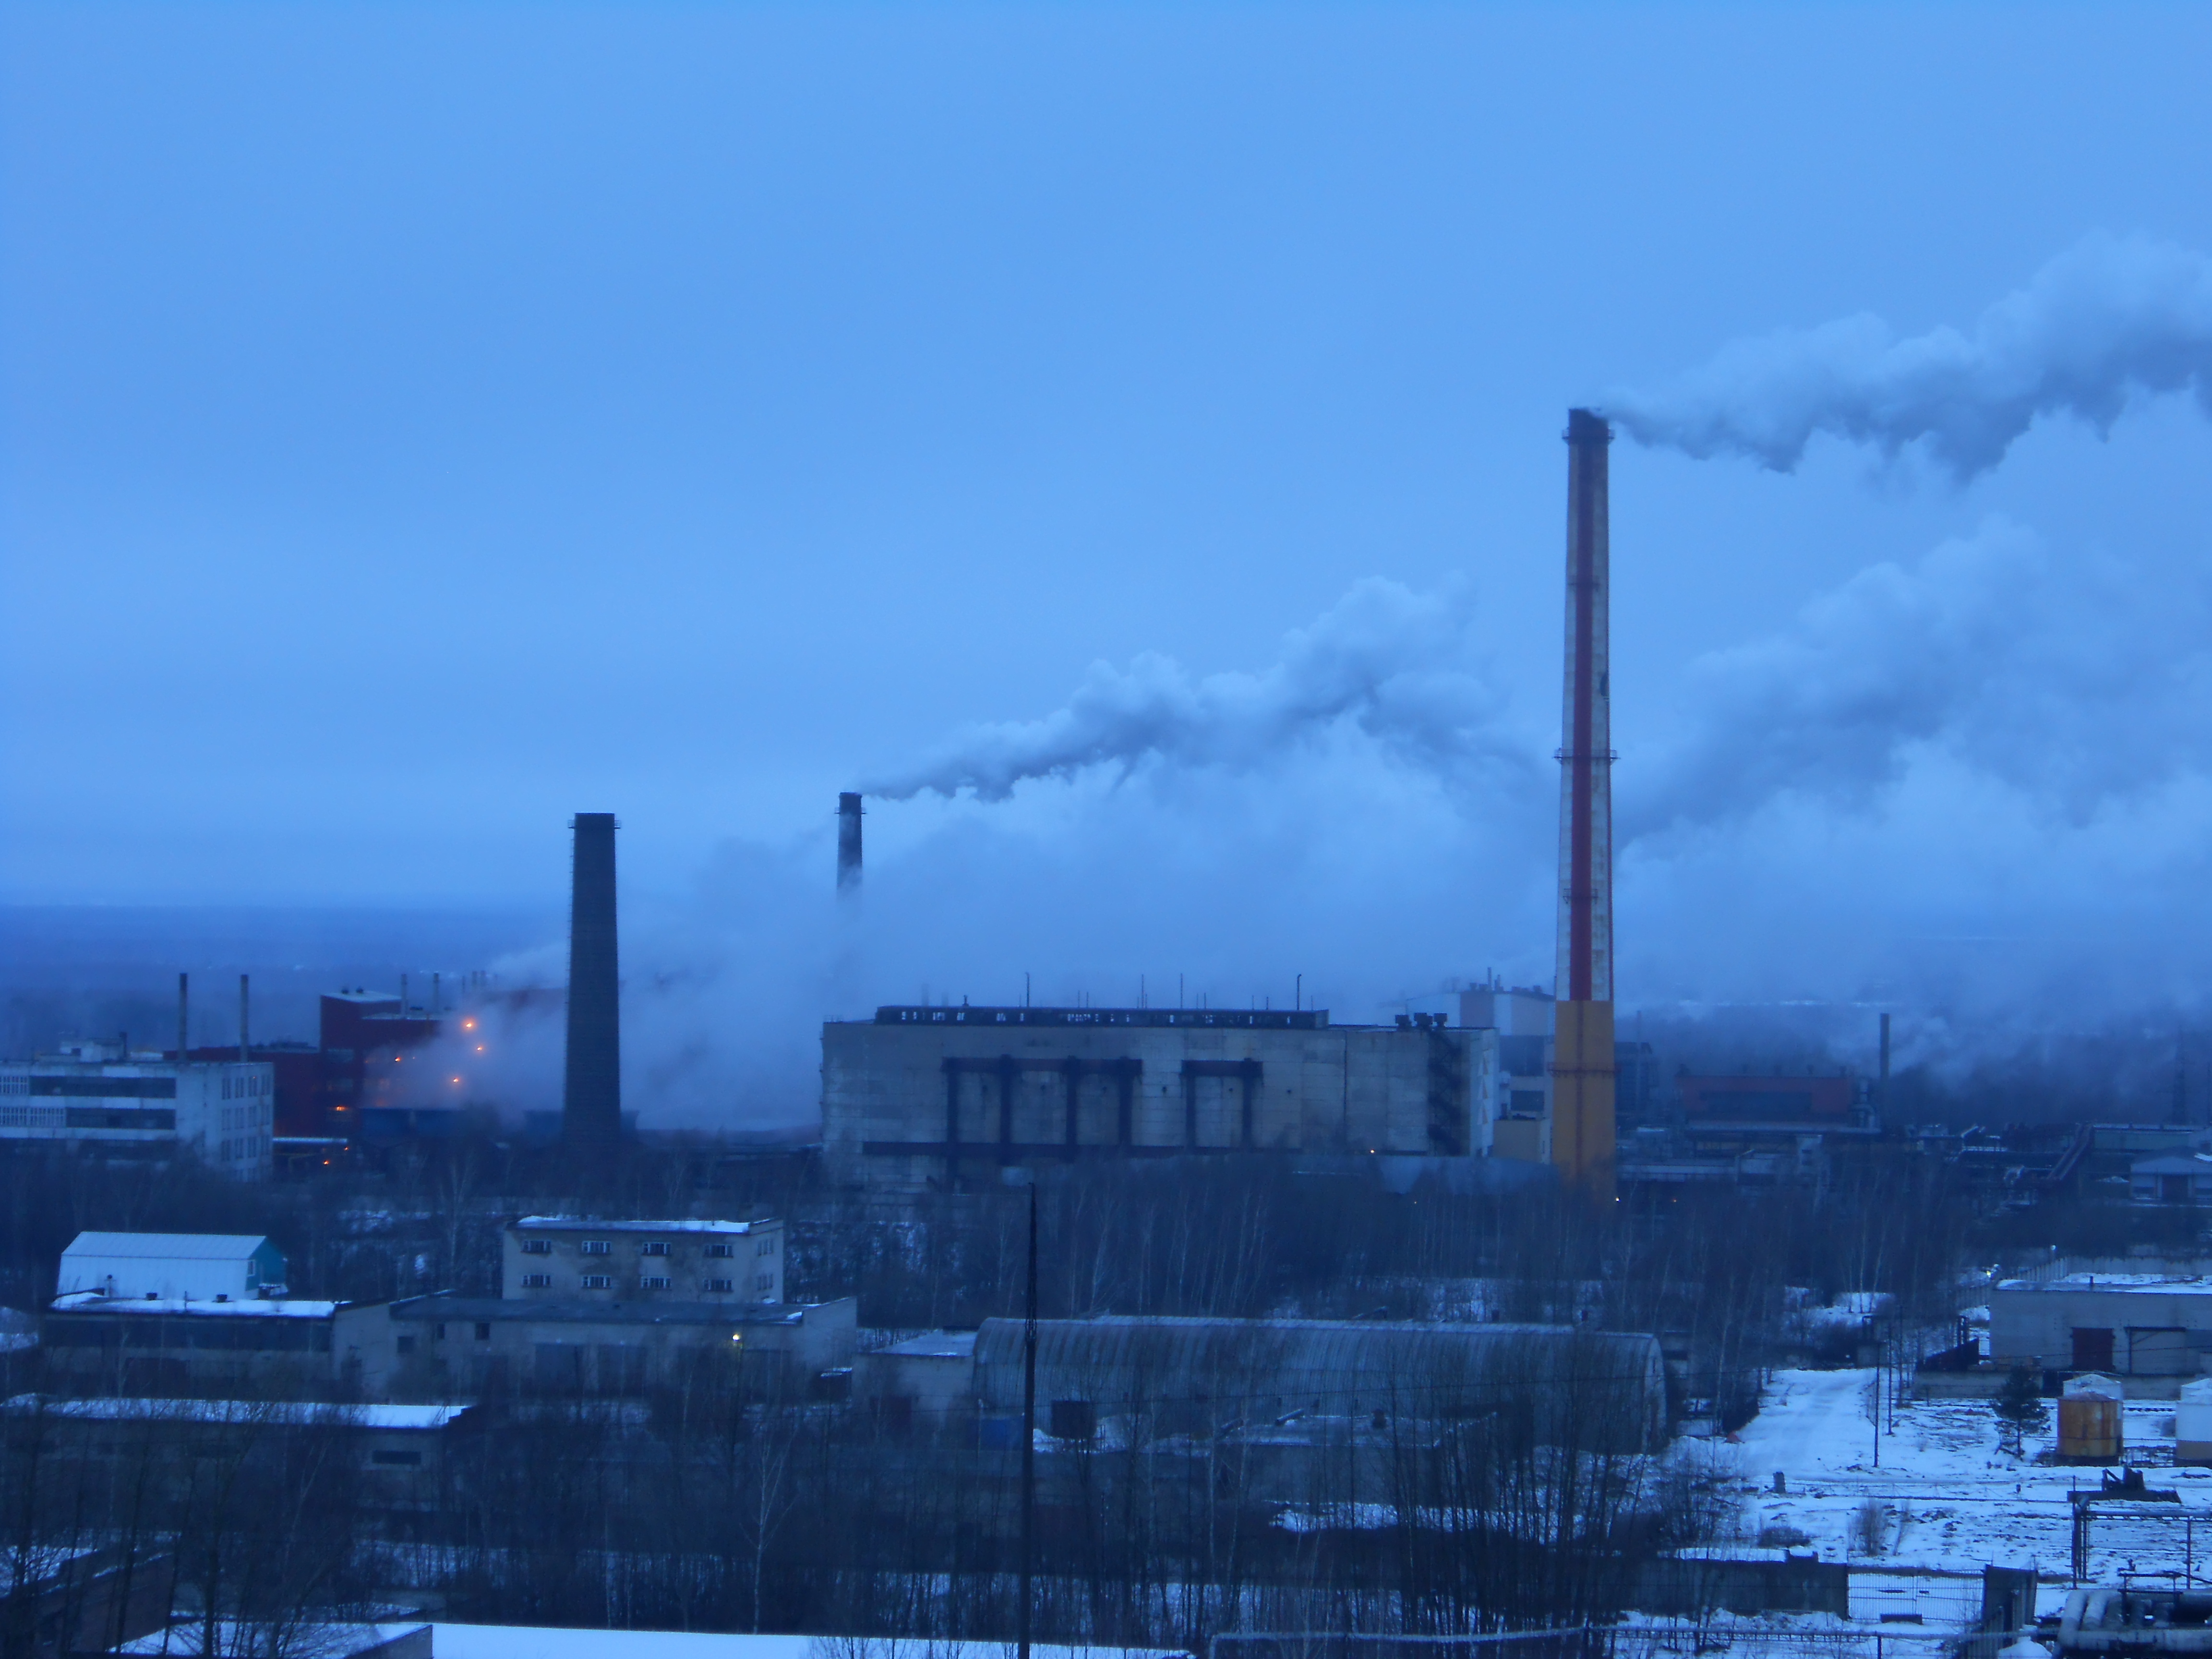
(650, 1247)
(646, 1282)
(242, 1086)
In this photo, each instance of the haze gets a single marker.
(421, 424)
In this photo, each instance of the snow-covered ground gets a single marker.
(1950, 1499)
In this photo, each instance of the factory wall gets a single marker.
(923, 1097)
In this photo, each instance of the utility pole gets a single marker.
(1029, 1431)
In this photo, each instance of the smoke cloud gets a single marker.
(2109, 321)
(1398, 666)
(2073, 682)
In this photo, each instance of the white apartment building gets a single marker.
(134, 1102)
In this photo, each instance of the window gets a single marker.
(768, 1246)
(596, 1282)
(391, 1459)
(717, 1285)
(718, 1250)
(538, 1246)
(406, 1346)
(653, 1281)
(765, 1282)
(484, 1330)
(653, 1247)
(596, 1247)
(537, 1281)
(441, 1333)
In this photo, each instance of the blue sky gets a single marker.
(419, 424)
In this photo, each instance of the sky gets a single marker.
(421, 423)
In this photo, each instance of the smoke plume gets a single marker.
(1398, 666)
(2108, 321)
(2072, 682)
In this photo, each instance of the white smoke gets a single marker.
(2073, 682)
(2109, 321)
(1399, 667)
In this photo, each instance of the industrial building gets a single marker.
(177, 1267)
(1199, 1376)
(922, 1097)
(547, 1258)
(2151, 1330)
(131, 1103)
(426, 1347)
(154, 1344)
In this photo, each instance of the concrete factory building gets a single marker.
(130, 1103)
(927, 1095)
(2152, 1329)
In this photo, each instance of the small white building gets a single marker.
(136, 1104)
(571, 1258)
(172, 1267)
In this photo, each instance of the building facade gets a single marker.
(944, 1097)
(2138, 1327)
(181, 1266)
(126, 1102)
(567, 1258)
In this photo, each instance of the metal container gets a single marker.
(2089, 1421)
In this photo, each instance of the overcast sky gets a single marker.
(422, 424)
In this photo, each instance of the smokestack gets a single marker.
(244, 1045)
(848, 842)
(1582, 1048)
(184, 1019)
(1885, 1062)
(591, 1102)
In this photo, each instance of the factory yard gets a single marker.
(1947, 1499)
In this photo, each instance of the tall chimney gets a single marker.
(1582, 1050)
(848, 842)
(591, 1102)
(1883, 1103)
(244, 1045)
(183, 1018)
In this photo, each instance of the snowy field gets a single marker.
(1950, 1499)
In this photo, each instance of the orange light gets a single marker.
(480, 1047)
(468, 1025)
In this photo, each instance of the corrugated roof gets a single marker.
(173, 1247)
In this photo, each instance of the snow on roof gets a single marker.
(2132, 1284)
(94, 1301)
(183, 1640)
(173, 1247)
(570, 1223)
(540, 1642)
(937, 1344)
(246, 1411)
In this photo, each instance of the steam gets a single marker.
(2072, 682)
(2107, 322)
(1398, 666)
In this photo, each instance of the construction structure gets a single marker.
(1582, 1063)
(591, 1098)
(946, 1096)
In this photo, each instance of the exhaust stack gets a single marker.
(1582, 1048)
(244, 1045)
(591, 1099)
(183, 1018)
(848, 842)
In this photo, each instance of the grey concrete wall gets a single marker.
(1337, 1089)
(2036, 1322)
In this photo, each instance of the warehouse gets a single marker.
(1600, 1390)
(2152, 1329)
(946, 1096)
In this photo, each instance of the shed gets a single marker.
(180, 1266)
